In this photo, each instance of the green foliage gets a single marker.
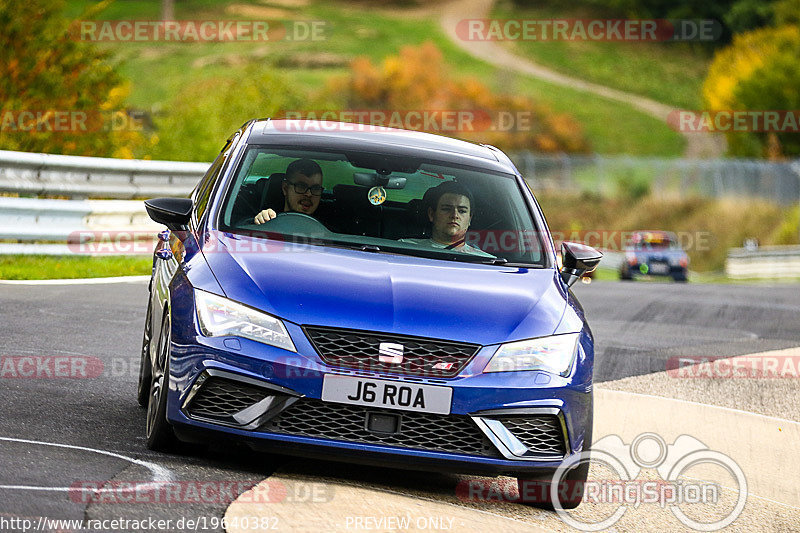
(206, 112)
(44, 70)
(786, 12)
(738, 16)
(633, 186)
(746, 15)
(667, 9)
(789, 230)
(758, 72)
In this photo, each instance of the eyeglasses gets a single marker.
(302, 188)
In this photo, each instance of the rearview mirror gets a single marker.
(577, 259)
(371, 179)
(172, 212)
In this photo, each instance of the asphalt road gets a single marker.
(637, 327)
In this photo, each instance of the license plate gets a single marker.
(659, 268)
(386, 394)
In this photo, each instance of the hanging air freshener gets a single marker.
(377, 195)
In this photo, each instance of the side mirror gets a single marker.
(174, 213)
(577, 259)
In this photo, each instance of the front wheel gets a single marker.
(145, 362)
(160, 436)
(680, 277)
(537, 492)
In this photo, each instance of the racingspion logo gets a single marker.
(688, 474)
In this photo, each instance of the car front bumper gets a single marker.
(500, 423)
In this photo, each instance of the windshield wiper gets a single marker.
(482, 259)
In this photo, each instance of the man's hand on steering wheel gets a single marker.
(264, 216)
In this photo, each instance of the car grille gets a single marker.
(421, 356)
(422, 431)
(222, 398)
(540, 434)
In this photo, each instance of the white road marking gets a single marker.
(158, 473)
(79, 281)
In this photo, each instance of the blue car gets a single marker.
(369, 295)
(654, 253)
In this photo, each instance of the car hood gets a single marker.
(328, 286)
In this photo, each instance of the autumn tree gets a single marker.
(46, 72)
(758, 72)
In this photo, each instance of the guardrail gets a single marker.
(28, 220)
(768, 262)
(95, 177)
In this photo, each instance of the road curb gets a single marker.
(762, 448)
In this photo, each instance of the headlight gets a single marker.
(220, 316)
(553, 354)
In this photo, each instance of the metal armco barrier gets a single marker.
(768, 262)
(95, 177)
(32, 219)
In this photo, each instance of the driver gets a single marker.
(302, 190)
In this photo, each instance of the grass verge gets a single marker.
(667, 72)
(68, 267)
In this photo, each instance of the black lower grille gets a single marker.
(223, 398)
(423, 431)
(540, 434)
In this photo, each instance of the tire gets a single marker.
(145, 362)
(625, 274)
(159, 433)
(575, 480)
(536, 492)
(680, 277)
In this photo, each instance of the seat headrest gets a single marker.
(273, 196)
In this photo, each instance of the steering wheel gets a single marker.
(295, 214)
(296, 223)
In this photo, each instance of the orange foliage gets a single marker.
(416, 80)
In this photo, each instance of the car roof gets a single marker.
(365, 138)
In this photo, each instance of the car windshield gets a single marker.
(654, 241)
(382, 203)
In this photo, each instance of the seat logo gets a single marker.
(390, 352)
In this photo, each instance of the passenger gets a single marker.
(302, 190)
(450, 213)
